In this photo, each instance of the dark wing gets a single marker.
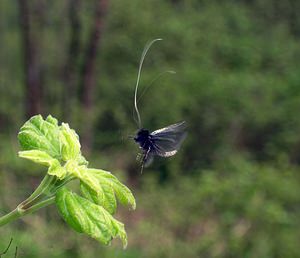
(167, 141)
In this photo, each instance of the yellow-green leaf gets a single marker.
(89, 218)
(41, 157)
(103, 188)
(40, 134)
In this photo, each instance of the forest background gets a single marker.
(233, 190)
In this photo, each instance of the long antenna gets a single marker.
(148, 86)
(147, 47)
(152, 82)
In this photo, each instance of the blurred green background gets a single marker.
(233, 190)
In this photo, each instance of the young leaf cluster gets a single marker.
(57, 147)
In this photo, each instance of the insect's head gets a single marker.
(141, 135)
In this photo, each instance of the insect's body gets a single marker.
(164, 142)
(143, 138)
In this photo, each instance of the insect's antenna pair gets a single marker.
(147, 47)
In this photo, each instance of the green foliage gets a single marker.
(237, 209)
(50, 141)
(70, 149)
(102, 187)
(57, 147)
(41, 157)
(89, 218)
(42, 135)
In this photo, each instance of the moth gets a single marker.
(164, 142)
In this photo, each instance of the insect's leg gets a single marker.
(138, 156)
(5, 251)
(146, 155)
(16, 252)
(145, 159)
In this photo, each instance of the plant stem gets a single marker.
(19, 211)
(47, 180)
(42, 196)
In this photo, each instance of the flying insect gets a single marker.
(164, 142)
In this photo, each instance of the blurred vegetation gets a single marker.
(233, 190)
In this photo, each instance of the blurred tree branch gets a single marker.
(87, 86)
(32, 71)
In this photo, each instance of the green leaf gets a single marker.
(89, 218)
(40, 134)
(104, 196)
(37, 156)
(70, 143)
(41, 157)
(48, 144)
(50, 119)
(82, 161)
(102, 188)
